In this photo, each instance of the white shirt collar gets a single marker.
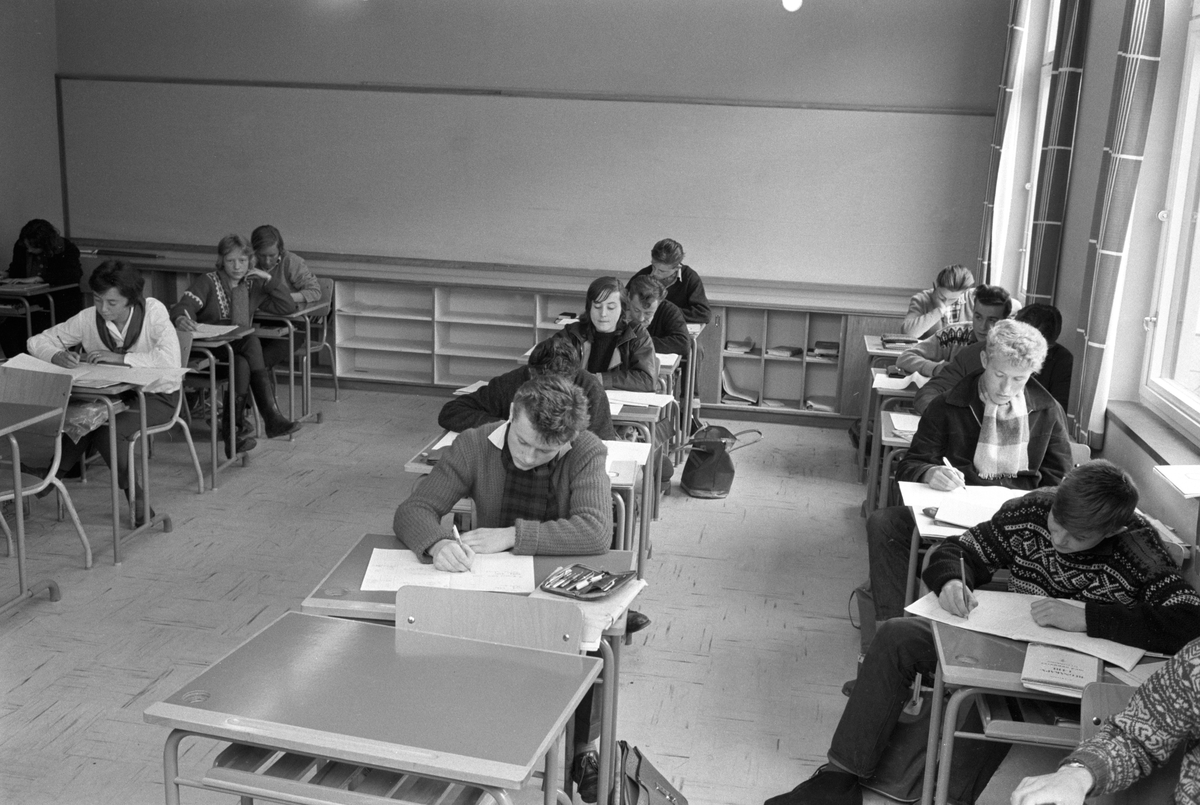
(120, 331)
(497, 436)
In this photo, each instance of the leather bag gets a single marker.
(709, 469)
(641, 783)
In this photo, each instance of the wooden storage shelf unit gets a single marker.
(794, 381)
(441, 335)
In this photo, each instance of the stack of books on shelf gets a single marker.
(732, 395)
(744, 346)
(897, 340)
(824, 349)
(785, 352)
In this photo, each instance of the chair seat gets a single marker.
(30, 484)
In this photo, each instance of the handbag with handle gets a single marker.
(709, 469)
(641, 783)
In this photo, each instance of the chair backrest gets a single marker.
(39, 442)
(513, 620)
(1080, 454)
(1103, 699)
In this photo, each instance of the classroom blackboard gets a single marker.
(759, 192)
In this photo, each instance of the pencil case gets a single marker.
(585, 584)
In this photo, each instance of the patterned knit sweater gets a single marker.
(928, 354)
(1163, 713)
(1131, 590)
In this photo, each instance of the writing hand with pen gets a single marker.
(955, 596)
(945, 478)
(457, 554)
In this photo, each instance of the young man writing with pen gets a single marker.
(539, 485)
(1100, 568)
(995, 427)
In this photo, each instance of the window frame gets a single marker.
(1162, 395)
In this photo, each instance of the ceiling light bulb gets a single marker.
(792, 5)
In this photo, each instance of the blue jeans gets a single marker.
(903, 648)
(889, 535)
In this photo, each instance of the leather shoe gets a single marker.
(828, 786)
(635, 621)
(585, 771)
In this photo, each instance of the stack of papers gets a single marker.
(203, 331)
(393, 568)
(883, 381)
(904, 423)
(98, 375)
(1058, 670)
(741, 347)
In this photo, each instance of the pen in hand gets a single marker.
(958, 476)
(458, 539)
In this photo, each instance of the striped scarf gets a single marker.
(1003, 447)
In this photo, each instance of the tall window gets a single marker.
(1172, 375)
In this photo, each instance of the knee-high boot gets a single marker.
(244, 443)
(276, 423)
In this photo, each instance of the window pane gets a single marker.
(1181, 357)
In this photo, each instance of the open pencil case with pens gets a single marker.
(585, 584)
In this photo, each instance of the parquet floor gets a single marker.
(733, 691)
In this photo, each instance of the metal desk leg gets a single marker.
(864, 423)
(28, 317)
(914, 550)
(113, 480)
(171, 766)
(24, 590)
(935, 726)
(648, 490)
(946, 755)
(608, 717)
(147, 521)
(550, 784)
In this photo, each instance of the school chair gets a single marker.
(40, 444)
(319, 321)
(185, 348)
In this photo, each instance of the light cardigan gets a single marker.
(472, 468)
(156, 347)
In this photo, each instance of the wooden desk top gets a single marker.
(466, 710)
(15, 416)
(339, 593)
(876, 349)
(16, 291)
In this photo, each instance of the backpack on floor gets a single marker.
(709, 469)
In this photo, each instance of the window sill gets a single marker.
(1162, 442)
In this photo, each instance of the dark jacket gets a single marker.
(950, 429)
(687, 294)
(1054, 377)
(491, 403)
(207, 299)
(633, 366)
(668, 330)
(63, 268)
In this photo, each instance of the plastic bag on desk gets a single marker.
(84, 417)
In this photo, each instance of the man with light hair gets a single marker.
(996, 427)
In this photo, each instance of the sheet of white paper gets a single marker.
(922, 496)
(1185, 478)
(668, 361)
(974, 504)
(904, 423)
(203, 331)
(97, 375)
(476, 386)
(29, 363)
(637, 452)
(638, 397)
(614, 408)
(447, 438)
(1008, 615)
(882, 381)
(390, 569)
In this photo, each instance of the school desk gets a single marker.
(643, 411)
(23, 292)
(14, 417)
(109, 395)
(365, 694)
(879, 470)
(275, 325)
(339, 595)
(208, 346)
(918, 497)
(689, 384)
(878, 357)
(979, 665)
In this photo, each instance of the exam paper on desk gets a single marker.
(1008, 615)
(390, 569)
(98, 375)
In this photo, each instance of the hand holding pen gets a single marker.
(453, 555)
(957, 599)
(945, 478)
